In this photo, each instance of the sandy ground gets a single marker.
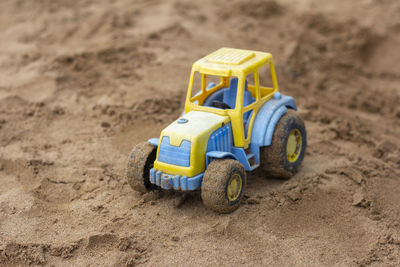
(82, 82)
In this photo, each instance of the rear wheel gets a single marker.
(138, 166)
(283, 157)
(223, 185)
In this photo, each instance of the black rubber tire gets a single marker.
(215, 183)
(274, 158)
(138, 166)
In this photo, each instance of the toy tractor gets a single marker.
(228, 127)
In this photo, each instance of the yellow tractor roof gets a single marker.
(231, 62)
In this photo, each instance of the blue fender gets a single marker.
(219, 155)
(272, 123)
(237, 153)
(266, 120)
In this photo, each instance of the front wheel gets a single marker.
(283, 157)
(223, 185)
(138, 167)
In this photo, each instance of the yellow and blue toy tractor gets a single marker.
(228, 127)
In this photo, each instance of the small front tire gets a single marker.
(223, 185)
(138, 166)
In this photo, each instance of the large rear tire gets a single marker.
(283, 157)
(138, 166)
(223, 185)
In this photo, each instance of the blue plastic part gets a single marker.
(237, 153)
(182, 120)
(220, 145)
(177, 182)
(272, 123)
(221, 139)
(153, 141)
(152, 176)
(228, 96)
(219, 155)
(175, 155)
(210, 85)
(218, 95)
(158, 177)
(266, 120)
(277, 95)
(241, 157)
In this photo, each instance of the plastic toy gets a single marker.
(228, 127)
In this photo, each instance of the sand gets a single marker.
(82, 82)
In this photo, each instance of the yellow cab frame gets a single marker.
(226, 63)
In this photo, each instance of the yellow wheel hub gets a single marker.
(293, 146)
(234, 187)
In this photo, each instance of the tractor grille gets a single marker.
(174, 155)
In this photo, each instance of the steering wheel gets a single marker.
(220, 104)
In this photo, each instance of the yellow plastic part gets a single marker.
(231, 62)
(293, 145)
(198, 128)
(234, 187)
(230, 56)
(228, 62)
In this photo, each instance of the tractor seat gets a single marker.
(231, 92)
